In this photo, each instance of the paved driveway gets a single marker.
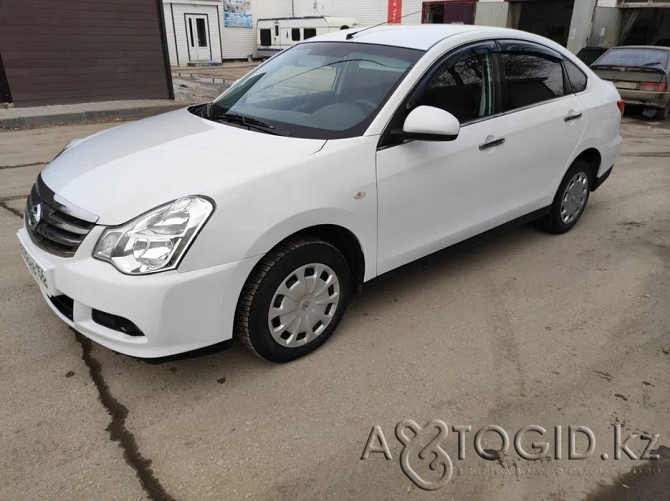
(521, 329)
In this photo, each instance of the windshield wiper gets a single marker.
(248, 122)
(243, 119)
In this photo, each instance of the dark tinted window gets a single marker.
(531, 77)
(463, 86)
(310, 32)
(266, 38)
(576, 76)
(295, 34)
(589, 55)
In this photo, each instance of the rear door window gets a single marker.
(533, 74)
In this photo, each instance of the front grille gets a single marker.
(52, 225)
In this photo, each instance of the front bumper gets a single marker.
(176, 312)
(651, 99)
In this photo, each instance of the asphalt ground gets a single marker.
(519, 329)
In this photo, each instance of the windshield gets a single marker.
(649, 58)
(321, 90)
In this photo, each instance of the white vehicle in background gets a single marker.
(277, 34)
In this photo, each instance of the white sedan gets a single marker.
(334, 162)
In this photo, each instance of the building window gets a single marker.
(201, 31)
(448, 12)
(434, 14)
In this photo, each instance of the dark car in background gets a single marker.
(589, 55)
(640, 73)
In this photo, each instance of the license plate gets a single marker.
(39, 272)
(625, 85)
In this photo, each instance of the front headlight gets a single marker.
(155, 241)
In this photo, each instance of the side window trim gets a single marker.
(532, 46)
(430, 72)
(535, 105)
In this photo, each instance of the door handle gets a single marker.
(492, 144)
(572, 116)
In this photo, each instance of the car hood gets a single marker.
(122, 172)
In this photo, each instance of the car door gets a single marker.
(434, 194)
(543, 121)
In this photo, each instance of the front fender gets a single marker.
(335, 186)
(333, 217)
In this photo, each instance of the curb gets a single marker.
(86, 116)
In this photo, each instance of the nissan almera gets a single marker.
(338, 160)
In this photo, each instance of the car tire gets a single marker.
(662, 114)
(304, 279)
(570, 200)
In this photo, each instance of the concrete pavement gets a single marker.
(522, 329)
(41, 116)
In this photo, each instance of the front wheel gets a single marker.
(570, 200)
(293, 300)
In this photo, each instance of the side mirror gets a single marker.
(427, 123)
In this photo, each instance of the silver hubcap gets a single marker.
(304, 305)
(574, 198)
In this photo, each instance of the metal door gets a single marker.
(197, 37)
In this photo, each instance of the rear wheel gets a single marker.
(663, 113)
(293, 300)
(570, 200)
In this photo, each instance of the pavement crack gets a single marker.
(118, 432)
(32, 164)
(10, 209)
(12, 197)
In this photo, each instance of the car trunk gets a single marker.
(630, 77)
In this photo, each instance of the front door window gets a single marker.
(463, 86)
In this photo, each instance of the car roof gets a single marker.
(421, 37)
(645, 47)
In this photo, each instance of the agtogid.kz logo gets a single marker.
(426, 444)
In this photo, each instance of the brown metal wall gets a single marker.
(75, 51)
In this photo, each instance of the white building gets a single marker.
(209, 31)
(193, 30)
